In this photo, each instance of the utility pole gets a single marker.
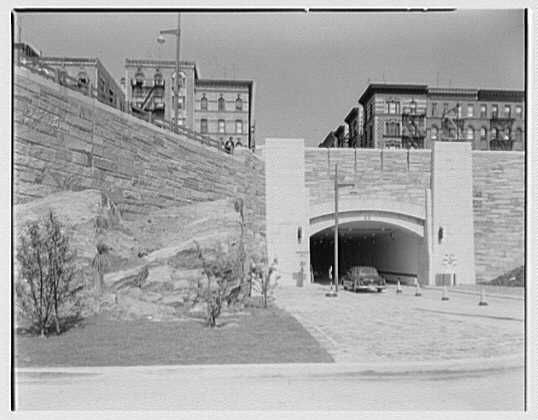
(336, 187)
(178, 43)
(335, 275)
(177, 33)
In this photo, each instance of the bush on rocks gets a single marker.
(46, 273)
(222, 272)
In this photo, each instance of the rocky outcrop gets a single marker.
(154, 269)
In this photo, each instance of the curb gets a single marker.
(453, 366)
(475, 293)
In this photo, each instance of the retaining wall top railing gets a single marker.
(59, 76)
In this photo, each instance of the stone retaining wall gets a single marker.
(499, 212)
(65, 140)
(393, 175)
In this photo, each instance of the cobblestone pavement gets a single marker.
(378, 327)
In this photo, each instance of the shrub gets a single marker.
(264, 279)
(222, 271)
(99, 264)
(141, 276)
(513, 278)
(46, 272)
(239, 207)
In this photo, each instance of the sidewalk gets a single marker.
(327, 386)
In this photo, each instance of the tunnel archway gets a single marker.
(391, 242)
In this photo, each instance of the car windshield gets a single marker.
(368, 270)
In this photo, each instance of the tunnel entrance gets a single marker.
(397, 253)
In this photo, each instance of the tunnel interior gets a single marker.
(395, 252)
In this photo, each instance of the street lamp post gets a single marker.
(160, 39)
(336, 187)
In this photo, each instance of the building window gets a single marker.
(238, 104)
(203, 126)
(507, 133)
(83, 79)
(483, 111)
(393, 107)
(470, 133)
(494, 111)
(413, 107)
(181, 102)
(494, 133)
(181, 80)
(435, 133)
(221, 104)
(221, 126)
(445, 108)
(158, 78)
(519, 134)
(203, 103)
(180, 122)
(519, 111)
(392, 129)
(470, 110)
(139, 77)
(370, 110)
(238, 126)
(434, 109)
(458, 110)
(507, 111)
(483, 133)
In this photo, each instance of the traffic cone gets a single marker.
(398, 287)
(445, 294)
(331, 292)
(483, 301)
(418, 292)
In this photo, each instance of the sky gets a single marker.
(309, 68)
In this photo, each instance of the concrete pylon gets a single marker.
(483, 301)
(418, 292)
(445, 293)
(398, 287)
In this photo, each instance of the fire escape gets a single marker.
(502, 127)
(149, 100)
(413, 128)
(452, 124)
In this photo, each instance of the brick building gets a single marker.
(90, 74)
(355, 125)
(25, 52)
(149, 89)
(224, 109)
(221, 109)
(412, 116)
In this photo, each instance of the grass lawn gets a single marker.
(264, 336)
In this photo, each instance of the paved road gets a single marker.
(360, 327)
(269, 387)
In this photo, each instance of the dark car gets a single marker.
(363, 278)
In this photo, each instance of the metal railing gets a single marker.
(59, 76)
(166, 125)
